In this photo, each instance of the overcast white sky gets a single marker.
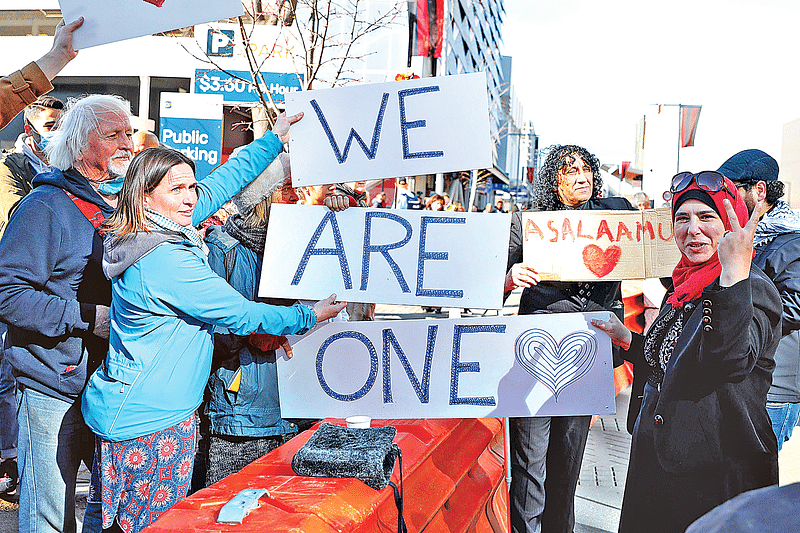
(586, 70)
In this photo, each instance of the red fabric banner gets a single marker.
(690, 114)
(623, 170)
(428, 18)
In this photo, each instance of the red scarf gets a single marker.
(689, 278)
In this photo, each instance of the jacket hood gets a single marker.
(120, 253)
(73, 181)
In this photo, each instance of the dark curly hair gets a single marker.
(545, 190)
(775, 189)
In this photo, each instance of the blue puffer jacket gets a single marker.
(254, 410)
(165, 302)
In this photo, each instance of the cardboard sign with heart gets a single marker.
(577, 245)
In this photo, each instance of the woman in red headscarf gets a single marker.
(703, 434)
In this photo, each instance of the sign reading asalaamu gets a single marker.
(581, 245)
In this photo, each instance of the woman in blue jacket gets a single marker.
(166, 301)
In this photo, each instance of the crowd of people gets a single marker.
(127, 328)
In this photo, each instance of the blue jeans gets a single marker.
(784, 418)
(8, 407)
(52, 441)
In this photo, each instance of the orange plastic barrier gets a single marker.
(454, 481)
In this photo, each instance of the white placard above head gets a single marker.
(385, 130)
(108, 21)
(390, 256)
(531, 365)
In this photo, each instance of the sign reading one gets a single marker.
(382, 130)
(599, 245)
(192, 123)
(239, 91)
(545, 365)
(386, 256)
(108, 21)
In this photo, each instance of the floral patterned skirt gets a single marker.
(136, 480)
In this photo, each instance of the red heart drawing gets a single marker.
(600, 262)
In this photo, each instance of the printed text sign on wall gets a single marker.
(384, 130)
(192, 124)
(108, 21)
(544, 365)
(599, 245)
(386, 256)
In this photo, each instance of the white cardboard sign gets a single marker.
(531, 365)
(391, 256)
(108, 21)
(384, 130)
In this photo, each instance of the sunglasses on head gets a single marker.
(708, 181)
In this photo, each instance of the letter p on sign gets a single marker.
(220, 43)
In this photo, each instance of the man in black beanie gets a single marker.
(777, 244)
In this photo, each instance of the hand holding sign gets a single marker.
(620, 335)
(521, 275)
(328, 308)
(735, 248)
(62, 51)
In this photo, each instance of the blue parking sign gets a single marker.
(236, 85)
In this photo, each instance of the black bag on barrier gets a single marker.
(366, 454)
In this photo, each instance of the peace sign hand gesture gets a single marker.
(735, 249)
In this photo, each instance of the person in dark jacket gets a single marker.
(546, 452)
(703, 434)
(777, 243)
(55, 300)
(18, 168)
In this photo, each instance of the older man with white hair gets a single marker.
(55, 298)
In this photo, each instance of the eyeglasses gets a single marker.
(708, 181)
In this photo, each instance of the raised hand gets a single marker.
(281, 127)
(735, 248)
(62, 51)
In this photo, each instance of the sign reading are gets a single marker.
(385, 130)
(532, 365)
(599, 245)
(386, 256)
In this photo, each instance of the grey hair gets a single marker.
(81, 116)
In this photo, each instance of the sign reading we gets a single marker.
(386, 256)
(532, 365)
(599, 245)
(385, 130)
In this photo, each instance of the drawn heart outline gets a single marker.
(600, 262)
(556, 364)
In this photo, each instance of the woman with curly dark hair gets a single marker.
(546, 452)
(563, 158)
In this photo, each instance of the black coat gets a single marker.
(569, 296)
(780, 261)
(705, 436)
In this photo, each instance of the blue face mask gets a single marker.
(111, 187)
(44, 140)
